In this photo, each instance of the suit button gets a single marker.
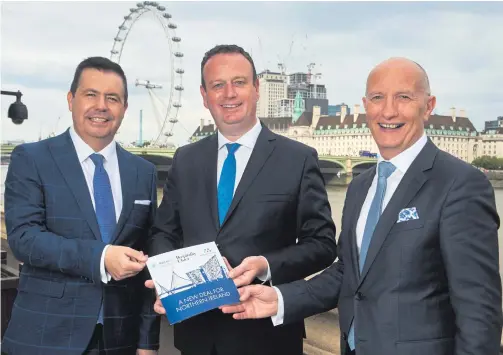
(344, 336)
(359, 296)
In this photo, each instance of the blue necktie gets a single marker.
(227, 181)
(103, 199)
(104, 205)
(385, 169)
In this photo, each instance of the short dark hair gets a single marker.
(102, 64)
(225, 49)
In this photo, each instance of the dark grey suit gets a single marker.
(280, 210)
(430, 286)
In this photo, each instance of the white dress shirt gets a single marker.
(111, 165)
(402, 163)
(243, 154)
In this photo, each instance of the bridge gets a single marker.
(329, 165)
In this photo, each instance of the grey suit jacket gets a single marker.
(280, 210)
(430, 285)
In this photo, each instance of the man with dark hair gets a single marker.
(226, 49)
(101, 64)
(258, 195)
(77, 210)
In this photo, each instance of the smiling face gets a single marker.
(98, 107)
(230, 93)
(397, 105)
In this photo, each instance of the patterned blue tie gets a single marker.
(385, 169)
(104, 204)
(103, 199)
(227, 181)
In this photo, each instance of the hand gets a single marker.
(146, 352)
(248, 270)
(123, 262)
(158, 307)
(257, 301)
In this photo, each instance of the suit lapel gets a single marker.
(128, 172)
(263, 148)
(359, 200)
(67, 161)
(410, 185)
(210, 172)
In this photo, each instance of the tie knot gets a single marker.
(232, 147)
(385, 169)
(97, 159)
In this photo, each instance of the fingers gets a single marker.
(123, 262)
(248, 270)
(233, 308)
(149, 284)
(136, 255)
(246, 292)
(240, 316)
(129, 266)
(238, 270)
(229, 267)
(242, 280)
(158, 307)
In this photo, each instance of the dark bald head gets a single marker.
(408, 68)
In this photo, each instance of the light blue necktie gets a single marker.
(385, 169)
(104, 204)
(227, 182)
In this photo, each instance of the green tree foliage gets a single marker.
(489, 163)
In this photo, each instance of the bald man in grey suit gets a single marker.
(417, 270)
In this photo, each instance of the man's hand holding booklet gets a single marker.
(191, 281)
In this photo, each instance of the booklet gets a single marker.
(191, 281)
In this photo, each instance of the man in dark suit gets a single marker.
(78, 208)
(259, 196)
(417, 270)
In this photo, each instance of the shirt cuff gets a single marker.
(105, 276)
(279, 317)
(266, 276)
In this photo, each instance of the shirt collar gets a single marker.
(84, 150)
(403, 160)
(248, 139)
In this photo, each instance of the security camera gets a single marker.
(18, 112)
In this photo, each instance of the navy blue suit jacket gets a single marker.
(429, 286)
(52, 228)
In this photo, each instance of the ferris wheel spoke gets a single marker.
(165, 108)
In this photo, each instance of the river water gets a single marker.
(336, 196)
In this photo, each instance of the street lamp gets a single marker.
(18, 112)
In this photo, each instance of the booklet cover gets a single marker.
(192, 280)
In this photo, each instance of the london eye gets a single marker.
(165, 106)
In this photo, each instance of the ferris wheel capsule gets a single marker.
(172, 90)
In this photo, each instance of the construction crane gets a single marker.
(313, 77)
(310, 67)
(282, 65)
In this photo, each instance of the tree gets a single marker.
(489, 163)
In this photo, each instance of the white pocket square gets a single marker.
(407, 214)
(142, 202)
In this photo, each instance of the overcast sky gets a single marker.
(459, 44)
